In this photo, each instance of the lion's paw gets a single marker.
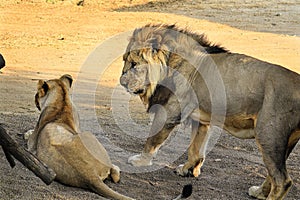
(27, 134)
(140, 160)
(181, 172)
(256, 191)
(197, 171)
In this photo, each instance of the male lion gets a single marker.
(178, 70)
(77, 158)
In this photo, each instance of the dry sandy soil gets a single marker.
(45, 40)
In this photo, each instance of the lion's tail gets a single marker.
(186, 192)
(102, 189)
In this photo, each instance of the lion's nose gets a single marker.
(123, 81)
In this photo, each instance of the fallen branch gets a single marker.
(9, 158)
(12, 148)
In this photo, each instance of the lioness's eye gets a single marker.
(133, 64)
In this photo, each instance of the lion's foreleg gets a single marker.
(196, 152)
(151, 147)
(153, 143)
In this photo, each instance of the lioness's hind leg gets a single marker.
(196, 152)
(115, 173)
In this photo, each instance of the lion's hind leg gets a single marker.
(261, 192)
(272, 139)
(196, 152)
(293, 140)
(278, 182)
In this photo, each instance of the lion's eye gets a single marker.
(133, 64)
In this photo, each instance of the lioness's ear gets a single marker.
(42, 87)
(67, 79)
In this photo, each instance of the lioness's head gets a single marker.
(52, 91)
(144, 62)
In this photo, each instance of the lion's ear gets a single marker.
(67, 79)
(125, 56)
(43, 87)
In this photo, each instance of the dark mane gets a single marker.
(209, 47)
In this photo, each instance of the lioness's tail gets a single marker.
(103, 190)
(186, 192)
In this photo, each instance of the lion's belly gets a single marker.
(246, 132)
(241, 125)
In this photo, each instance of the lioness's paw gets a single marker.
(140, 160)
(256, 191)
(27, 134)
(115, 173)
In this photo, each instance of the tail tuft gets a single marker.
(2, 61)
(187, 191)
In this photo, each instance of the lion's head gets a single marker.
(143, 69)
(153, 50)
(144, 62)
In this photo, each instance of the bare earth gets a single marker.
(45, 40)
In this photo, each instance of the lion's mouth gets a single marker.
(140, 91)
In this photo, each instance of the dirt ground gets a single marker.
(45, 40)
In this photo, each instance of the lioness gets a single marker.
(172, 67)
(77, 158)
